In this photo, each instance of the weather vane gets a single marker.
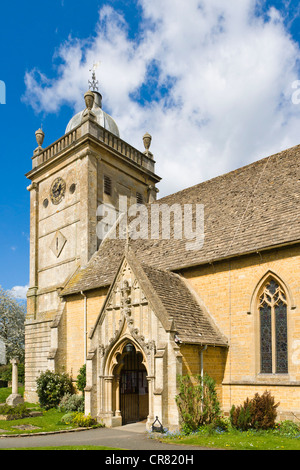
(94, 83)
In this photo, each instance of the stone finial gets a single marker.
(147, 142)
(89, 99)
(39, 135)
(88, 114)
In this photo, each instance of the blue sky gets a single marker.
(210, 80)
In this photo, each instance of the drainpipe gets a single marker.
(201, 361)
(202, 369)
(85, 325)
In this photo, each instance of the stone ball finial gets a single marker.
(39, 135)
(89, 99)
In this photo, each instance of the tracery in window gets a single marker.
(273, 329)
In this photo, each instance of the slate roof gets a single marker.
(250, 209)
(192, 323)
(174, 303)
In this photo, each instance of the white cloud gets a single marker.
(222, 87)
(19, 292)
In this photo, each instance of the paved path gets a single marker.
(130, 437)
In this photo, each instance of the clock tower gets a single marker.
(89, 166)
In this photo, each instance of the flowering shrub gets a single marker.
(288, 428)
(83, 421)
(67, 418)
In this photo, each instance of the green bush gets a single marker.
(83, 421)
(81, 378)
(51, 387)
(79, 419)
(70, 403)
(16, 412)
(241, 417)
(68, 418)
(288, 428)
(258, 413)
(197, 402)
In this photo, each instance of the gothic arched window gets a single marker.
(273, 329)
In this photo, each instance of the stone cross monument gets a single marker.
(15, 398)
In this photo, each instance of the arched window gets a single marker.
(273, 329)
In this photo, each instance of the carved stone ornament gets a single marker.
(126, 310)
(39, 135)
(58, 243)
(89, 99)
(147, 142)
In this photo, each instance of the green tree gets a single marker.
(12, 329)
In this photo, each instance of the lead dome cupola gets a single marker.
(102, 118)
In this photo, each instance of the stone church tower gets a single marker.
(141, 312)
(88, 167)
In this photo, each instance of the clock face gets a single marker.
(57, 190)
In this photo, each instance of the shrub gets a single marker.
(197, 402)
(241, 416)
(51, 387)
(70, 403)
(15, 412)
(68, 418)
(81, 378)
(258, 413)
(221, 424)
(264, 411)
(288, 428)
(83, 421)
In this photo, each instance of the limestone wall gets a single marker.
(37, 346)
(229, 291)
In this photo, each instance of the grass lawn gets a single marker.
(50, 420)
(237, 440)
(5, 392)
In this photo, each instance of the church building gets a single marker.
(141, 310)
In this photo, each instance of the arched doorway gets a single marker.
(134, 402)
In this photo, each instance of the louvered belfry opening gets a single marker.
(133, 387)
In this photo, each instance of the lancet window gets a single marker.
(273, 329)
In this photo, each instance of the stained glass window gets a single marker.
(273, 329)
(266, 339)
